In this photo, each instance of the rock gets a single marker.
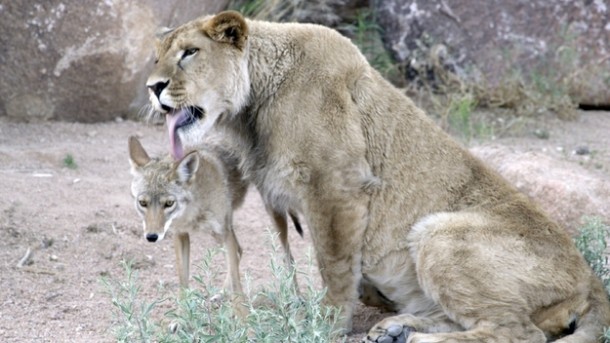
(82, 61)
(565, 190)
(582, 150)
(542, 133)
(394, 330)
(565, 40)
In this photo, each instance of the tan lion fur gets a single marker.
(395, 207)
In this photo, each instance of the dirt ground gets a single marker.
(78, 222)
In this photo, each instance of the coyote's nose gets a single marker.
(152, 237)
(158, 87)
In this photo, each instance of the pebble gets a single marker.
(582, 150)
(541, 133)
(394, 330)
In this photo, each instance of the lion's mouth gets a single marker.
(177, 119)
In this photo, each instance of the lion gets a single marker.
(394, 205)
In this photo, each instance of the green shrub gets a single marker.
(277, 313)
(132, 314)
(591, 242)
(69, 162)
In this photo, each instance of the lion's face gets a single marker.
(200, 73)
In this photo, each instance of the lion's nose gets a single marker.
(152, 237)
(158, 87)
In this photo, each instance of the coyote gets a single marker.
(198, 192)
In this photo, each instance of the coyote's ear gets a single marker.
(187, 167)
(227, 27)
(137, 155)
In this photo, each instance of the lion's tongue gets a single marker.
(174, 119)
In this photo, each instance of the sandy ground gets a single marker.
(79, 223)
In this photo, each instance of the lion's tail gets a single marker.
(590, 326)
(296, 222)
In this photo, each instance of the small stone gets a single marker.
(53, 258)
(541, 133)
(46, 242)
(385, 339)
(93, 229)
(582, 150)
(395, 330)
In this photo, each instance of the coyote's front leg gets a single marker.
(182, 247)
(232, 285)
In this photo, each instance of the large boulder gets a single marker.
(560, 40)
(567, 191)
(82, 60)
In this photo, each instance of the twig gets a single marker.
(39, 271)
(25, 259)
(446, 10)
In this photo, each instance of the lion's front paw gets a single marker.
(394, 333)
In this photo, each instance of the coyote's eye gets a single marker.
(169, 203)
(142, 203)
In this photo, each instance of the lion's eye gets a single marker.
(169, 203)
(142, 203)
(189, 52)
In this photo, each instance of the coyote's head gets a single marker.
(161, 188)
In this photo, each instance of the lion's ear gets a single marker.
(227, 27)
(162, 32)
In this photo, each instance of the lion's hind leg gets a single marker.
(472, 266)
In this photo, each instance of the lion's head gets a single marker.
(200, 73)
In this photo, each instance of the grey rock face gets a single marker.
(82, 60)
(570, 39)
